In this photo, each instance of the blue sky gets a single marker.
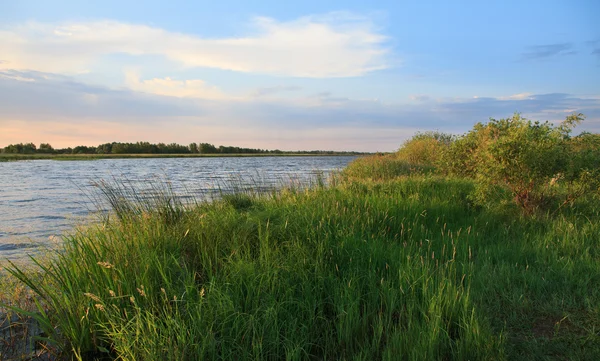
(343, 75)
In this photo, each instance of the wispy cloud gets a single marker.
(420, 98)
(546, 51)
(49, 95)
(333, 45)
(191, 88)
(275, 90)
(552, 107)
(520, 96)
(595, 45)
(14, 76)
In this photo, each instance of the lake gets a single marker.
(41, 199)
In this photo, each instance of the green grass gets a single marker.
(383, 167)
(383, 268)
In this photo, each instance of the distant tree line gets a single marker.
(150, 148)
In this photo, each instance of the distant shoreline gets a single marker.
(18, 157)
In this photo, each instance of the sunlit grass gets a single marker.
(383, 167)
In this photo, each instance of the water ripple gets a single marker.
(43, 198)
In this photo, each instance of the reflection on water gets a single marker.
(41, 199)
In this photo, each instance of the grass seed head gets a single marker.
(92, 296)
(106, 265)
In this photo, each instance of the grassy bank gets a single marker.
(4, 157)
(371, 267)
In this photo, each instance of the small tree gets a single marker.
(45, 148)
(13, 148)
(207, 148)
(27, 148)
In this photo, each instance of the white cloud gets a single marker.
(274, 90)
(337, 45)
(520, 96)
(15, 77)
(193, 88)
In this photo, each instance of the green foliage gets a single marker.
(82, 149)
(206, 148)
(425, 148)
(585, 153)
(527, 160)
(27, 148)
(45, 148)
(382, 167)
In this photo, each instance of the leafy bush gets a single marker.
(585, 150)
(536, 163)
(425, 148)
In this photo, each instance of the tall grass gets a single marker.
(401, 269)
(383, 167)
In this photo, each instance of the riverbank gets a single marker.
(379, 267)
(5, 157)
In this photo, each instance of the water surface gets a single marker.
(41, 199)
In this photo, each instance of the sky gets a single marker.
(290, 75)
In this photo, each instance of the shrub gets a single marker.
(425, 148)
(529, 160)
(382, 167)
